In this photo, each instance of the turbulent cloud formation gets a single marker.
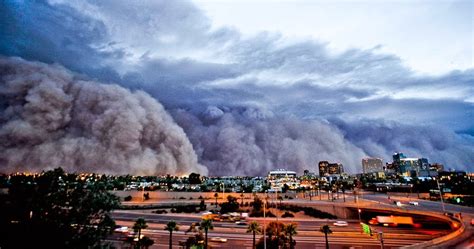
(51, 118)
(250, 142)
(382, 138)
(214, 80)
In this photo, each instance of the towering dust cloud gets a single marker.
(248, 141)
(49, 118)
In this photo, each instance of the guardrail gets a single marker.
(439, 240)
(442, 239)
(436, 241)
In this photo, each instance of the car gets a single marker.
(414, 203)
(121, 230)
(398, 203)
(219, 239)
(340, 223)
(241, 223)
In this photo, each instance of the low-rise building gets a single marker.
(277, 179)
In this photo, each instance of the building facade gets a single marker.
(412, 167)
(372, 165)
(326, 168)
(277, 179)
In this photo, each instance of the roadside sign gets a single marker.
(366, 228)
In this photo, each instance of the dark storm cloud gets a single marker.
(438, 144)
(49, 118)
(251, 142)
(170, 50)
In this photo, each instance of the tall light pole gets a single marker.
(276, 203)
(358, 212)
(223, 189)
(381, 240)
(264, 224)
(441, 195)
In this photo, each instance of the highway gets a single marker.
(308, 232)
(466, 240)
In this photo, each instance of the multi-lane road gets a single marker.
(466, 240)
(308, 232)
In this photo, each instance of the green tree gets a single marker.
(194, 178)
(140, 224)
(202, 205)
(276, 233)
(280, 199)
(276, 237)
(231, 205)
(254, 228)
(285, 188)
(257, 204)
(326, 230)
(146, 242)
(171, 227)
(206, 225)
(290, 230)
(56, 211)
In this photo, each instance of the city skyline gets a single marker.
(197, 86)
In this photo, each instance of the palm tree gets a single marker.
(280, 199)
(171, 227)
(215, 196)
(276, 232)
(290, 230)
(206, 224)
(140, 224)
(254, 228)
(192, 228)
(326, 230)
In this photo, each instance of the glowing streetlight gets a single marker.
(441, 195)
(223, 190)
(264, 223)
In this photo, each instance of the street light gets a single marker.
(223, 190)
(359, 211)
(276, 203)
(264, 222)
(381, 240)
(441, 195)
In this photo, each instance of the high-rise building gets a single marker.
(323, 168)
(410, 166)
(371, 165)
(437, 167)
(326, 168)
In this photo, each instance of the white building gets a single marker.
(278, 178)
